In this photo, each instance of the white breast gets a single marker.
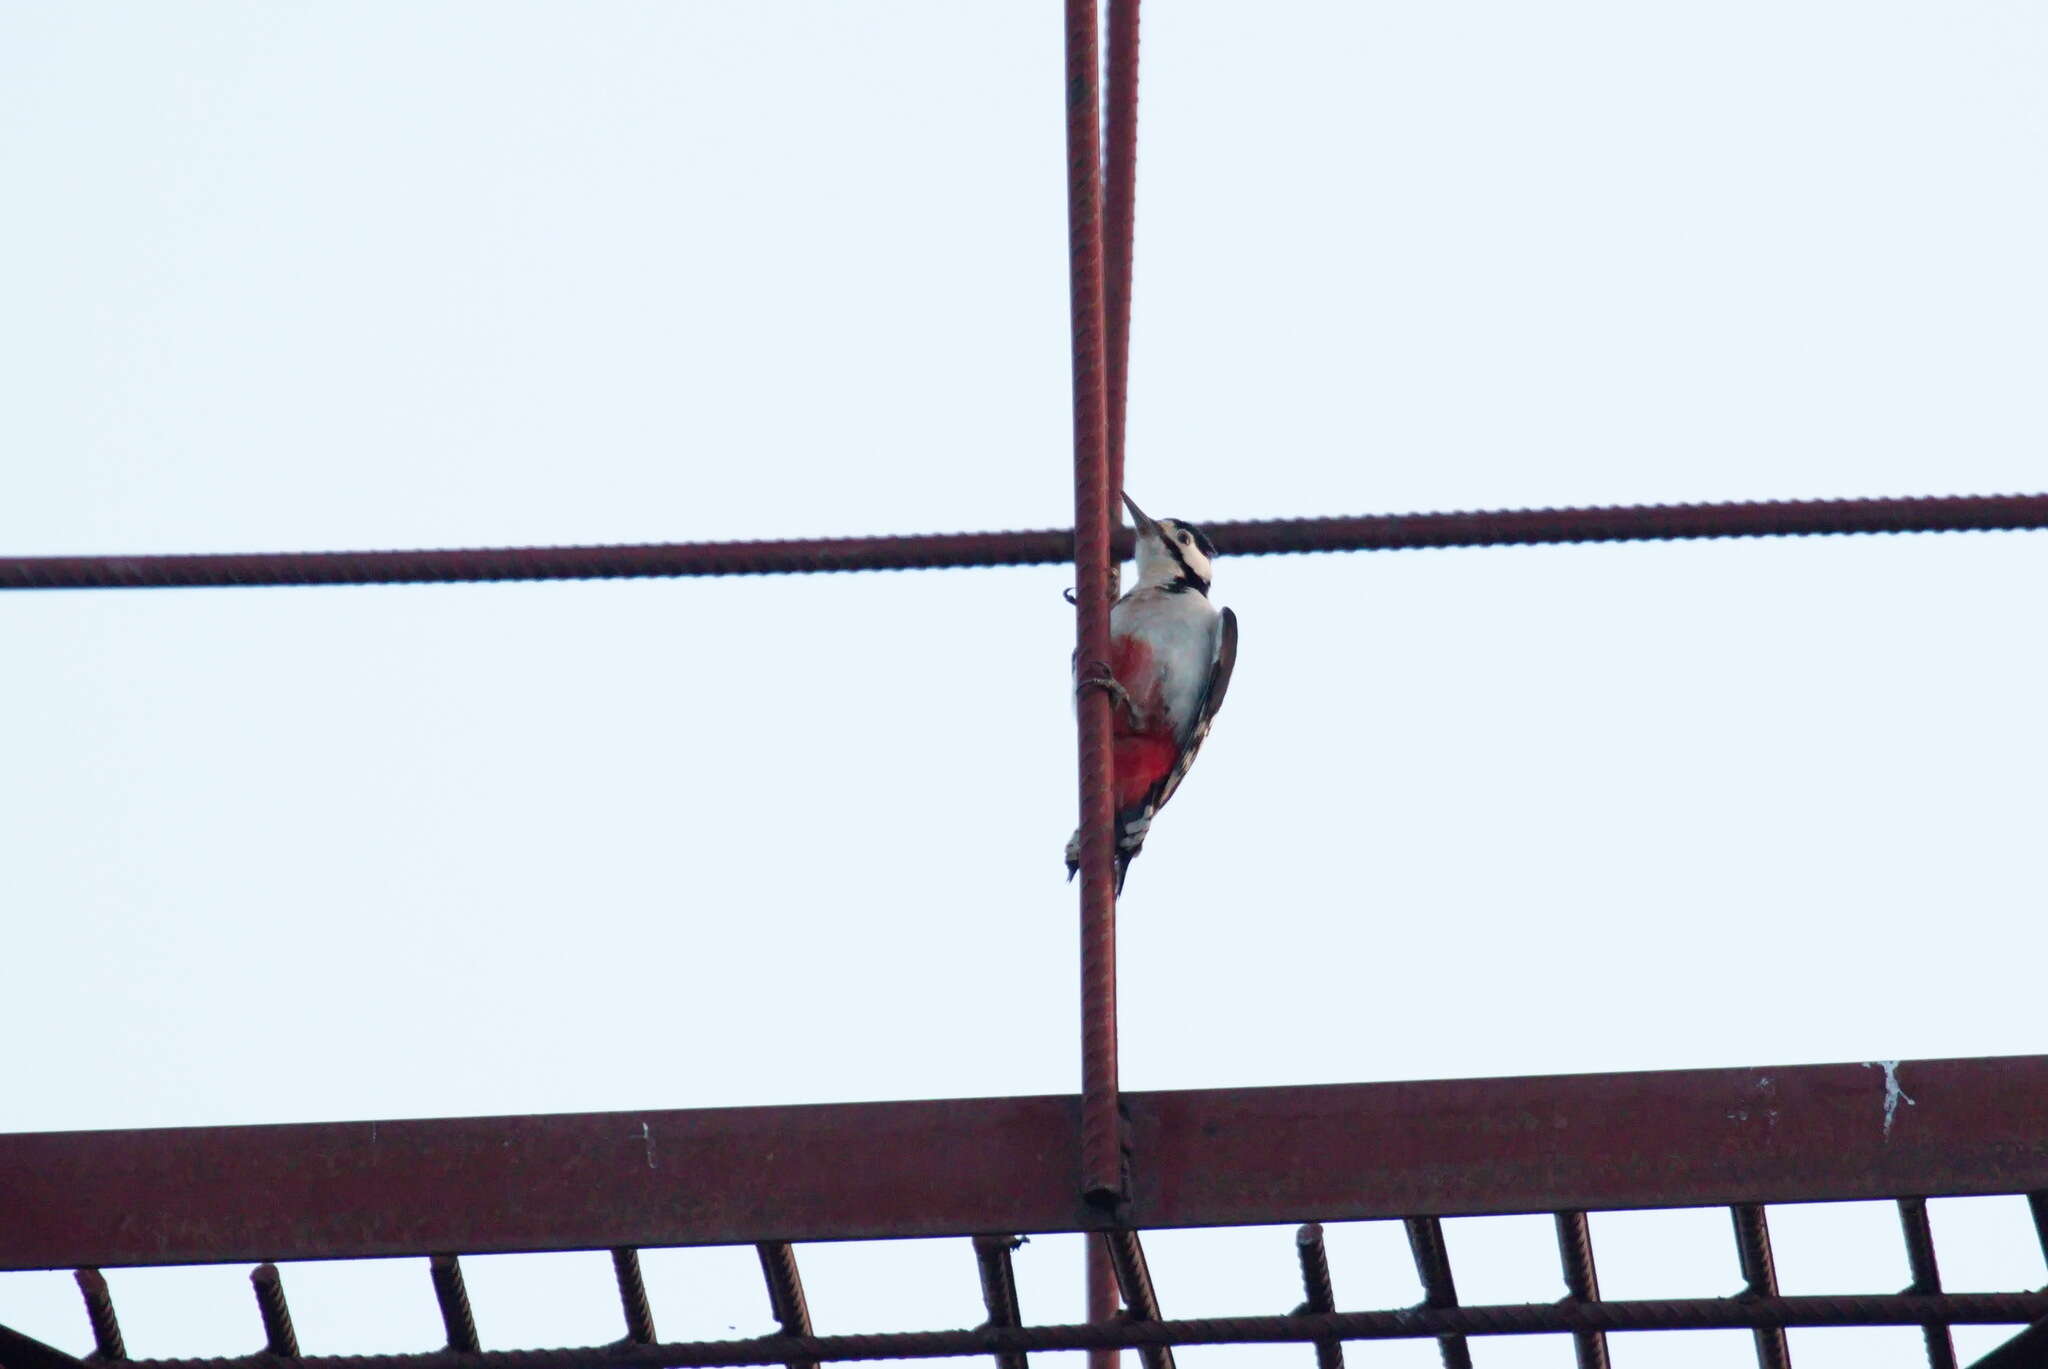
(1180, 631)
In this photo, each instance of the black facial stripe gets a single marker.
(1187, 579)
(1200, 540)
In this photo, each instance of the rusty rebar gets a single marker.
(1104, 1304)
(278, 1336)
(786, 1296)
(1120, 195)
(99, 1310)
(633, 1302)
(1439, 1289)
(1044, 546)
(1102, 1181)
(2027, 1350)
(1941, 1350)
(1687, 1314)
(1581, 1283)
(452, 1295)
(999, 1291)
(1759, 1279)
(1134, 1279)
(1319, 1296)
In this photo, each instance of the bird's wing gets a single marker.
(1220, 667)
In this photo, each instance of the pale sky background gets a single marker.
(366, 274)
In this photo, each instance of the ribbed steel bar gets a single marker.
(1439, 1289)
(633, 1302)
(278, 1336)
(999, 1291)
(26, 1352)
(1103, 1302)
(1134, 1278)
(1695, 1314)
(786, 1297)
(1581, 1283)
(1120, 197)
(2027, 1350)
(1102, 1180)
(1941, 1350)
(1318, 1295)
(99, 1310)
(1046, 546)
(1759, 1278)
(452, 1294)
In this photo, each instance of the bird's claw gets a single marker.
(1098, 676)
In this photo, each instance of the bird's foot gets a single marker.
(1098, 676)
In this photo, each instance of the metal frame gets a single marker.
(1103, 1162)
(995, 1168)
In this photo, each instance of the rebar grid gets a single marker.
(1685, 1314)
(1316, 1324)
(1046, 546)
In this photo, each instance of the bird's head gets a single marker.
(1170, 552)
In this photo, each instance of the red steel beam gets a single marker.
(1213, 1157)
(1047, 546)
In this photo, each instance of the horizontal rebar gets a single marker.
(1891, 1309)
(1371, 532)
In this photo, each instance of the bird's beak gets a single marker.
(1138, 518)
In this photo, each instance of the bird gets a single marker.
(1171, 656)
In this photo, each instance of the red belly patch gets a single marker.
(1142, 756)
(1142, 760)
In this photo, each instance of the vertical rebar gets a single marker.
(1941, 1350)
(1317, 1293)
(1760, 1279)
(633, 1295)
(278, 1336)
(1439, 1289)
(1103, 1304)
(99, 1310)
(1581, 1283)
(1102, 1180)
(999, 1292)
(786, 1293)
(1120, 197)
(453, 1296)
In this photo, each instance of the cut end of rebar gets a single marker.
(1104, 1197)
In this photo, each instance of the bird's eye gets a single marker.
(1186, 540)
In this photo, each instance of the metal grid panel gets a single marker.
(992, 1168)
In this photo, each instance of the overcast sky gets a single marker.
(364, 274)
